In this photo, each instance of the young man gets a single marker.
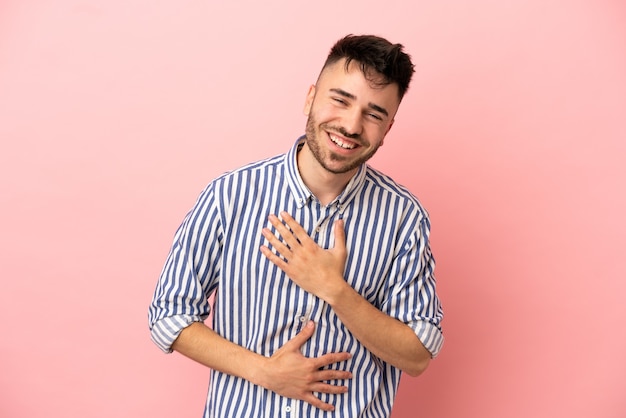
(320, 265)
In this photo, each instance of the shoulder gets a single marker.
(383, 184)
(260, 166)
(256, 171)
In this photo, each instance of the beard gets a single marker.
(340, 163)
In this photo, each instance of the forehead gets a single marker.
(368, 86)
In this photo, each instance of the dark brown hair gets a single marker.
(377, 54)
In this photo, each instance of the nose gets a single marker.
(353, 123)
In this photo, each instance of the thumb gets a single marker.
(340, 235)
(303, 335)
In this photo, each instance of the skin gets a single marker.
(320, 272)
(287, 372)
(346, 108)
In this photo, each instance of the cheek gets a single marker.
(377, 133)
(325, 113)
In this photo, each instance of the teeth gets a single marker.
(342, 144)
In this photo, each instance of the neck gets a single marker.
(325, 185)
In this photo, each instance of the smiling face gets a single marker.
(348, 116)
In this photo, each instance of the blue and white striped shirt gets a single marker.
(216, 249)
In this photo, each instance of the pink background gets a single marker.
(115, 114)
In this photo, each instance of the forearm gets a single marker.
(389, 339)
(320, 271)
(287, 372)
(202, 344)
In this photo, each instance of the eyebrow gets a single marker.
(353, 97)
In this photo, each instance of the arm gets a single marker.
(386, 337)
(180, 304)
(287, 372)
(320, 272)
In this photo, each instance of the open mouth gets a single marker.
(342, 143)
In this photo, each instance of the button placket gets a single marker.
(290, 408)
(322, 222)
(333, 211)
(304, 316)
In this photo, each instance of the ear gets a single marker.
(309, 100)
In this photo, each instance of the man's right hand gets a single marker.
(289, 373)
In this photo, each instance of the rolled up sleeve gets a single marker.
(189, 275)
(412, 297)
(165, 331)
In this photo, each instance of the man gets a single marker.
(320, 265)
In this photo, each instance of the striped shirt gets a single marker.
(216, 250)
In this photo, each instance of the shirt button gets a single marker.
(287, 409)
(302, 318)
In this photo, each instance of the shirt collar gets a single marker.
(302, 194)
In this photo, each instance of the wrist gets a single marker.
(257, 372)
(337, 292)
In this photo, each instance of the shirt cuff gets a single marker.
(430, 335)
(165, 331)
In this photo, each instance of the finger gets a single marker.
(328, 388)
(330, 375)
(340, 235)
(276, 243)
(279, 262)
(318, 403)
(331, 358)
(303, 336)
(286, 234)
(295, 227)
